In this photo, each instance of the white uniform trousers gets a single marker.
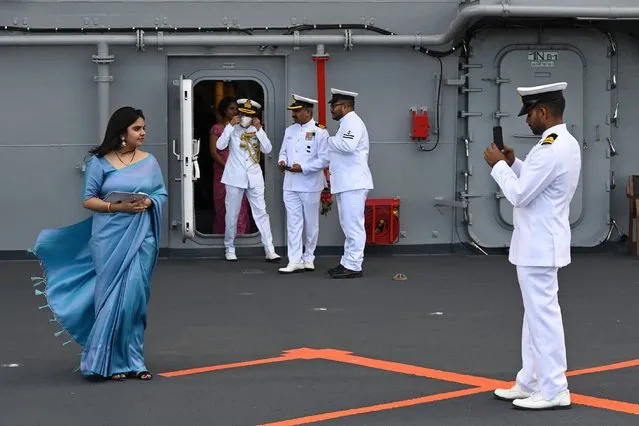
(233, 203)
(350, 206)
(543, 348)
(302, 213)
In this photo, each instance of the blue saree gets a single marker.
(97, 273)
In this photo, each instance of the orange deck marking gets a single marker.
(414, 370)
(608, 404)
(225, 366)
(609, 367)
(480, 384)
(288, 355)
(380, 407)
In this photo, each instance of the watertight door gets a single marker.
(189, 150)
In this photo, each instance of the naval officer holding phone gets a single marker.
(540, 188)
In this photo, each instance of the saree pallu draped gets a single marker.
(97, 273)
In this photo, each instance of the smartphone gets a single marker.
(498, 137)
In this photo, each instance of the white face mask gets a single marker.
(245, 121)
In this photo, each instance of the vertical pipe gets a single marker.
(320, 58)
(102, 59)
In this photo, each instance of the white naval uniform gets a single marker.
(540, 188)
(351, 179)
(243, 174)
(305, 145)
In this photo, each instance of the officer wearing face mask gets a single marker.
(247, 141)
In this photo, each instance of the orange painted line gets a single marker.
(225, 366)
(287, 355)
(379, 407)
(609, 367)
(414, 370)
(608, 404)
(481, 384)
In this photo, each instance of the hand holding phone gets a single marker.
(498, 137)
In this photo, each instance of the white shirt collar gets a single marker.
(346, 115)
(310, 123)
(554, 129)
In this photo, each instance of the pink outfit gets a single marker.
(219, 194)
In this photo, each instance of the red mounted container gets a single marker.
(381, 220)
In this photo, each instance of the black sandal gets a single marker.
(142, 375)
(118, 377)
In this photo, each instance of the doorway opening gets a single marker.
(208, 123)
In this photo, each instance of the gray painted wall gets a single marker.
(49, 115)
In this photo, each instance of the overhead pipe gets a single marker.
(465, 15)
(67, 39)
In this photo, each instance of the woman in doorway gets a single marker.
(98, 272)
(226, 110)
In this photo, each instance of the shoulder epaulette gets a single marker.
(321, 126)
(549, 139)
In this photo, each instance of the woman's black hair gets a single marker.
(223, 105)
(118, 124)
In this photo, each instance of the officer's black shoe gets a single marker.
(338, 268)
(346, 273)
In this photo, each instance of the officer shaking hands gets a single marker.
(350, 180)
(303, 159)
(540, 188)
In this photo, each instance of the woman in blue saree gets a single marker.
(98, 272)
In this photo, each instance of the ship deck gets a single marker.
(239, 344)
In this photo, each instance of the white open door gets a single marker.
(189, 150)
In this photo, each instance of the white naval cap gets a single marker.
(339, 94)
(248, 106)
(531, 96)
(300, 102)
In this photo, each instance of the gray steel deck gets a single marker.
(425, 351)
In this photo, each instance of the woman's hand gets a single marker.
(131, 206)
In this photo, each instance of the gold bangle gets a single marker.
(109, 207)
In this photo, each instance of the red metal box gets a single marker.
(381, 220)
